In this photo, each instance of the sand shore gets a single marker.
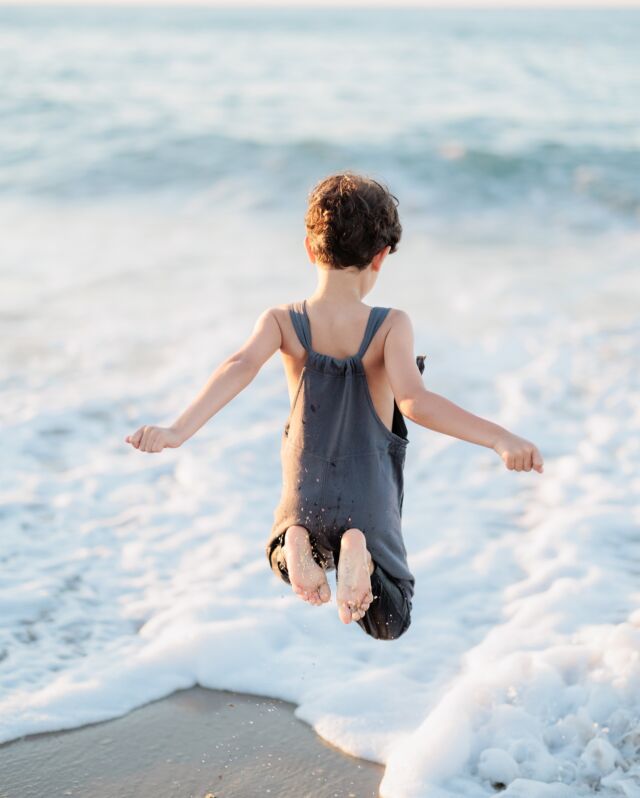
(193, 744)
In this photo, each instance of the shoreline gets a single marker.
(195, 743)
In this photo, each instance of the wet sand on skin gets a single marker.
(191, 744)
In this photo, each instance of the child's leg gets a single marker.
(389, 614)
(299, 564)
(367, 594)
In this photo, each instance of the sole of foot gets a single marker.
(308, 579)
(354, 576)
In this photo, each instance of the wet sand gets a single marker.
(193, 744)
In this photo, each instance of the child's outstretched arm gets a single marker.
(226, 382)
(437, 413)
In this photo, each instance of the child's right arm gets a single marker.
(437, 413)
(226, 382)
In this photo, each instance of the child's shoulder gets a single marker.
(398, 332)
(282, 309)
(277, 312)
(280, 314)
(399, 320)
(396, 317)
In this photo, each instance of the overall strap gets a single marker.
(300, 321)
(376, 317)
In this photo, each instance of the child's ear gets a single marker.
(376, 263)
(310, 252)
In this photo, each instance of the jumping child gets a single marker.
(352, 377)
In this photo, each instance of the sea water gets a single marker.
(154, 168)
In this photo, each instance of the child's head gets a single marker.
(350, 219)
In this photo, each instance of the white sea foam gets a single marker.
(128, 576)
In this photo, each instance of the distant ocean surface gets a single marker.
(154, 170)
(464, 113)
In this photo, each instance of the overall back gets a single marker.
(341, 466)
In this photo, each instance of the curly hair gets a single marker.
(349, 219)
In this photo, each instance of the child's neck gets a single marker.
(344, 286)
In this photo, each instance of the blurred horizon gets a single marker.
(436, 5)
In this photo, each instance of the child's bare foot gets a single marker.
(355, 567)
(307, 578)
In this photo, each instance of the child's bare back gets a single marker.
(352, 377)
(338, 328)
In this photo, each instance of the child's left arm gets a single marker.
(438, 413)
(226, 382)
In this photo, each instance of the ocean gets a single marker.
(154, 170)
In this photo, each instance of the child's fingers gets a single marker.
(537, 460)
(159, 441)
(134, 439)
(149, 437)
(523, 459)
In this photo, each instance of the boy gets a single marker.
(352, 376)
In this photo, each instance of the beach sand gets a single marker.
(193, 744)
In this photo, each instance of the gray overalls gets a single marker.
(342, 468)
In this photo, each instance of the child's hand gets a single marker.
(154, 439)
(518, 454)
